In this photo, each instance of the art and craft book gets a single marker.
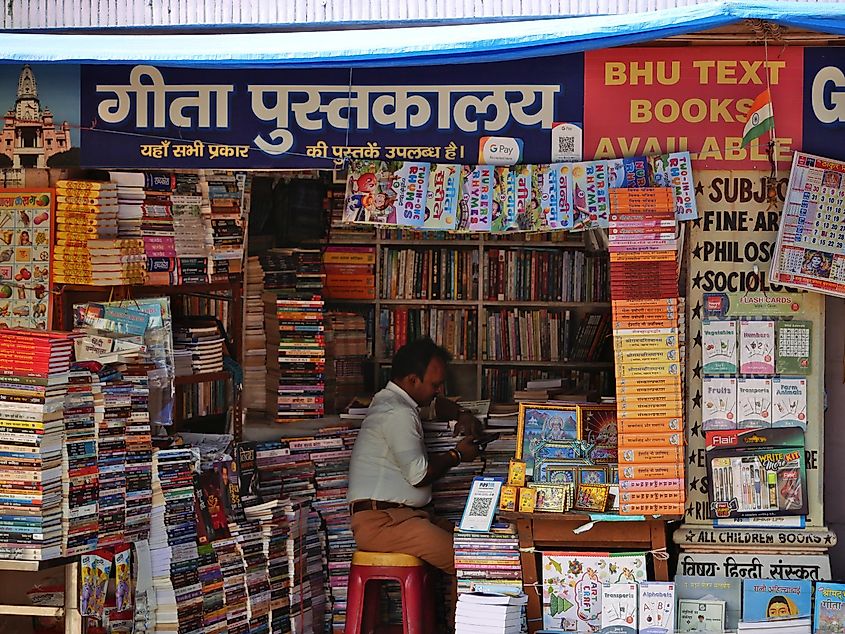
(776, 599)
(829, 612)
(727, 590)
(719, 347)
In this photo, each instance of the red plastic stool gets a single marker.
(362, 603)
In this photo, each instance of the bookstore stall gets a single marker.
(194, 314)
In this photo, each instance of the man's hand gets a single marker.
(468, 425)
(468, 449)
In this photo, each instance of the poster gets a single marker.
(730, 247)
(26, 225)
(811, 240)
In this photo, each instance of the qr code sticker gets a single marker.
(480, 507)
(566, 145)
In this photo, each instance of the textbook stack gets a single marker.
(224, 201)
(644, 286)
(194, 239)
(87, 249)
(33, 381)
(486, 614)
(139, 453)
(255, 343)
(296, 357)
(204, 345)
(130, 202)
(173, 543)
(247, 532)
(346, 352)
(115, 397)
(349, 272)
(80, 489)
(157, 229)
(488, 562)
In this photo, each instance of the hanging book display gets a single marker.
(503, 199)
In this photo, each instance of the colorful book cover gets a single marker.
(550, 203)
(616, 174)
(718, 403)
(370, 194)
(480, 203)
(442, 197)
(580, 213)
(794, 347)
(757, 347)
(501, 199)
(521, 176)
(465, 189)
(753, 403)
(618, 608)
(718, 347)
(565, 196)
(637, 172)
(572, 586)
(789, 403)
(411, 186)
(776, 599)
(598, 194)
(701, 615)
(539, 178)
(829, 615)
(674, 170)
(95, 570)
(657, 607)
(727, 590)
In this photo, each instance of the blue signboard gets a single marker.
(152, 117)
(824, 102)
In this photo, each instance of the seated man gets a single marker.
(390, 473)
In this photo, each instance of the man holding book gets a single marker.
(390, 472)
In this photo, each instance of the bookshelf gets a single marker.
(229, 291)
(467, 375)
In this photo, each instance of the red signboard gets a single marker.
(656, 100)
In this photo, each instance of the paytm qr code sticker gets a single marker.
(567, 142)
(481, 504)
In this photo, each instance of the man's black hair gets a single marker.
(414, 357)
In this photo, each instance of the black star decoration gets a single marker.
(691, 458)
(697, 340)
(696, 281)
(828, 539)
(693, 485)
(696, 252)
(699, 189)
(697, 370)
(696, 400)
(696, 430)
(697, 223)
(689, 510)
(696, 310)
(690, 536)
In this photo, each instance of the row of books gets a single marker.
(530, 335)
(409, 234)
(456, 329)
(254, 358)
(199, 400)
(504, 385)
(545, 275)
(346, 353)
(350, 272)
(439, 274)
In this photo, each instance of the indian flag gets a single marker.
(761, 119)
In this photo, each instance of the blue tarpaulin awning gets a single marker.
(464, 43)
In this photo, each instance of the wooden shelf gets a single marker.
(205, 377)
(586, 365)
(452, 362)
(458, 303)
(532, 304)
(349, 302)
(465, 244)
(544, 244)
(177, 289)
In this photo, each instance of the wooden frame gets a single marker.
(568, 428)
(551, 498)
(599, 477)
(591, 497)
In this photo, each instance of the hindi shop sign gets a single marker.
(150, 117)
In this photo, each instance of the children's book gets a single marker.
(718, 403)
(789, 403)
(565, 196)
(442, 197)
(757, 347)
(753, 403)
(776, 599)
(701, 615)
(619, 608)
(829, 612)
(598, 195)
(572, 586)
(480, 201)
(726, 590)
(718, 347)
(499, 221)
(549, 204)
(520, 191)
(794, 346)
(376, 189)
(657, 607)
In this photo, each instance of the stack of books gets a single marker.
(305, 567)
(173, 543)
(350, 272)
(33, 381)
(157, 229)
(449, 493)
(224, 203)
(231, 561)
(255, 343)
(488, 562)
(295, 357)
(87, 249)
(346, 353)
(203, 342)
(80, 488)
(478, 613)
(139, 453)
(130, 202)
(247, 532)
(193, 231)
(649, 395)
(115, 398)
